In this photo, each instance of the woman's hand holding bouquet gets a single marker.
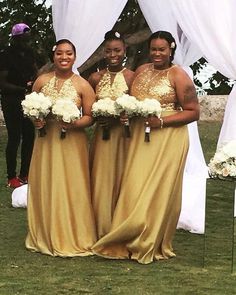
(148, 108)
(127, 106)
(66, 111)
(37, 106)
(103, 109)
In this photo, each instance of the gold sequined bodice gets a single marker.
(67, 91)
(107, 88)
(155, 84)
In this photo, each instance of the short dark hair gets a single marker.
(61, 41)
(113, 35)
(166, 36)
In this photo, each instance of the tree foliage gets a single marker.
(219, 84)
(35, 14)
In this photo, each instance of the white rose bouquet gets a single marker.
(129, 106)
(104, 108)
(223, 164)
(67, 111)
(149, 107)
(37, 106)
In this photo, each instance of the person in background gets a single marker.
(149, 202)
(60, 216)
(108, 156)
(18, 70)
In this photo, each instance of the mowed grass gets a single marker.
(26, 273)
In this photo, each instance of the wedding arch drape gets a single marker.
(85, 22)
(214, 33)
(197, 32)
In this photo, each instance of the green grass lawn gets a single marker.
(28, 273)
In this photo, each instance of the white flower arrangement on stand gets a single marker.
(67, 111)
(37, 106)
(127, 105)
(149, 107)
(223, 164)
(104, 108)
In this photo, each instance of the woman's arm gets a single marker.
(37, 86)
(88, 98)
(187, 99)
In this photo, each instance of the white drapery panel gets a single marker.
(85, 23)
(214, 33)
(228, 129)
(159, 16)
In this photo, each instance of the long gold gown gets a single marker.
(60, 217)
(149, 203)
(107, 157)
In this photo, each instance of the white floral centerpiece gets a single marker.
(223, 164)
(149, 107)
(37, 106)
(67, 111)
(104, 108)
(129, 106)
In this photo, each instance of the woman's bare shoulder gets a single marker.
(80, 82)
(142, 68)
(95, 77)
(42, 80)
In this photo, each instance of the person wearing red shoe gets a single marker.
(18, 70)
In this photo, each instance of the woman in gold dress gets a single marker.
(149, 203)
(108, 156)
(60, 217)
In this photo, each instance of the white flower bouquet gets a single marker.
(149, 107)
(104, 108)
(129, 106)
(67, 111)
(223, 164)
(37, 106)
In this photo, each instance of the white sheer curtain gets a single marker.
(159, 16)
(215, 35)
(85, 23)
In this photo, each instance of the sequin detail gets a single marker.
(67, 91)
(155, 84)
(106, 88)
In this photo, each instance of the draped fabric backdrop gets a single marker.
(85, 22)
(197, 33)
(215, 35)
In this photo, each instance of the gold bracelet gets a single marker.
(161, 125)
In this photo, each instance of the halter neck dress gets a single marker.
(108, 157)
(60, 217)
(149, 202)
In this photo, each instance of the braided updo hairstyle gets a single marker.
(113, 35)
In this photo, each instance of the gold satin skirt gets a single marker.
(107, 159)
(60, 216)
(149, 204)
